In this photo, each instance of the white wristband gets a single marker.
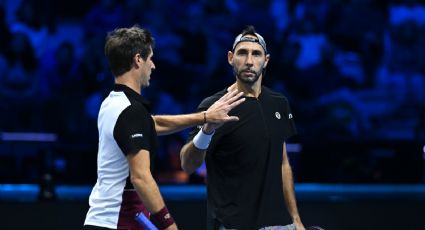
(202, 140)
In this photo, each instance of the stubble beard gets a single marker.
(144, 81)
(146, 85)
(247, 80)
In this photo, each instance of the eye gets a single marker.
(257, 53)
(242, 52)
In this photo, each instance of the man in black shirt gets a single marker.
(249, 176)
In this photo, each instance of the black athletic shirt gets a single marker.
(244, 179)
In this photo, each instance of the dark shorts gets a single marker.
(286, 227)
(91, 227)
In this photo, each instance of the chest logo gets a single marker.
(277, 114)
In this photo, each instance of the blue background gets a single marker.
(352, 70)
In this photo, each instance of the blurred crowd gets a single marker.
(353, 70)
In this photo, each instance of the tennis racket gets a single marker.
(315, 228)
(145, 222)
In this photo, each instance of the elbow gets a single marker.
(191, 165)
(188, 168)
(140, 178)
(186, 163)
(185, 167)
(191, 158)
(135, 181)
(159, 129)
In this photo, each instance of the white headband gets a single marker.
(243, 38)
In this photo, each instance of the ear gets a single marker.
(230, 57)
(137, 59)
(267, 61)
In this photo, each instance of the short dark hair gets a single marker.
(123, 43)
(250, 30)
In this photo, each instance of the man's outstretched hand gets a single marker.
(217, 113)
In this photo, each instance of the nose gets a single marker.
(153, 66)
(249, 60)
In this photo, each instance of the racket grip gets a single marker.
(143, 220)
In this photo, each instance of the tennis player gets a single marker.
(250, 183)
(128, 137)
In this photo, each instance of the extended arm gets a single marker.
(167, 124)
(288, 191)
(145, 185)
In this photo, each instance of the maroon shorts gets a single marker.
(131, 205)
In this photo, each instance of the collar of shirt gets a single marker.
(133, 94)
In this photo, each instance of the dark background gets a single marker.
(353, 71)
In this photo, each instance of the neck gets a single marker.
(127, 80)
(253, 90)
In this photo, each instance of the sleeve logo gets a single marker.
(136, 135)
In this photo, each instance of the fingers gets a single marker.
(229, 95)
(234, 98)
(225, 96)
(226, 100)
(232, 118)
(217, 113)
(229, 101)
(236, 103)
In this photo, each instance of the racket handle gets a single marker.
(143, 220)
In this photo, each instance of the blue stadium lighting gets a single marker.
(28, 136)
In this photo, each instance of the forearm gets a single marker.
(289, 193)
(191, 157)
(167, 124)
(216, 114)
(147, 189)
(149, 192)
(151, 197)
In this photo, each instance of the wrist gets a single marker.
(205, 117)
(208, 129)
(202, 139)
(163, 218)
(296, 218)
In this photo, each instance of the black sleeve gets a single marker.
(133, 130)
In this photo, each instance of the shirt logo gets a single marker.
(136, 135)
(290, 116)
(277, 114)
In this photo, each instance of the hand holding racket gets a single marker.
(145, 222)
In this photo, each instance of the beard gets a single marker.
(241, 75)
(144, 81)
(145, 85)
